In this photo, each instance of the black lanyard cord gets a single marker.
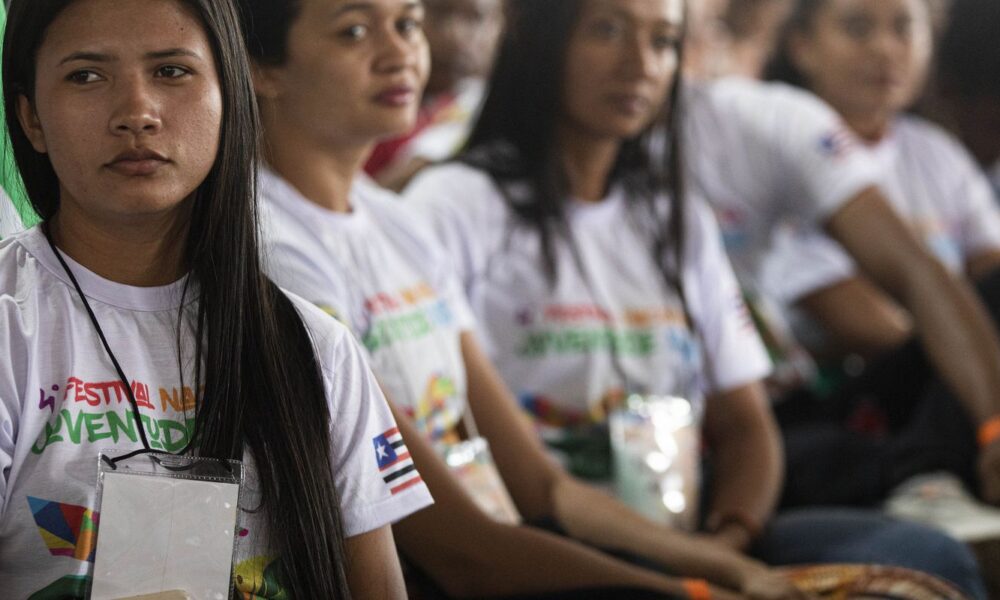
(130, 394)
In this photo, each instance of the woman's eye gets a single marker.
(607, 29)
(354, 32)
(83, 76)
(172, 72)
(410, 26)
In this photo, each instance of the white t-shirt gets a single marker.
(10, 222)
(552, 343)
(759, 152)
(994, 174)
(379, 270)
(61, 403)
(931, 181)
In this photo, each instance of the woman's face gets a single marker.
(621, 61)
(127, 105)
(354, 72)
(866, 57)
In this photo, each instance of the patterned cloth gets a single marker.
(856, 582)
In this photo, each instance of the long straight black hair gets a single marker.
(515, 139)
(263, 389)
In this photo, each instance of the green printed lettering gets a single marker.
(118, 424)
(72, 427)
(152, 429)
(50, 435)
(175, 435)
(94, 424)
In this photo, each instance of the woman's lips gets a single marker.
(138, 162)
(397, 97)
(134, 168)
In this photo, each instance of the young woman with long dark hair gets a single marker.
(868, 59)
(141, 295)
(595, 275)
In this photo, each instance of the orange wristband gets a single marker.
(989, 431)
(697, 589)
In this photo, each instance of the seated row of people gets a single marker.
(563, 239)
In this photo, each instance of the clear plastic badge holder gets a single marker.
(656, 449)
(472, 464)
(167, 527)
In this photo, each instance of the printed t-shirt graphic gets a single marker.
(61, 403)
(931, 181)
(381, 272)
(554, 343)
(394, 461)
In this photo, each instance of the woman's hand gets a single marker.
(762, 583)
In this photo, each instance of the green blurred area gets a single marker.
(10, 179)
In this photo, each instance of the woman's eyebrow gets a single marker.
(88, 56)
(171, 53)
(152, 55)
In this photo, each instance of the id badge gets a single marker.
(656, 449)
(167, 527)
(472, 464)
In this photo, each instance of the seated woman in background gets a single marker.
(868, 59)
(594, 275)
(334, 77)
(133, 127)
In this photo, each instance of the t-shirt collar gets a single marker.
(95, 287)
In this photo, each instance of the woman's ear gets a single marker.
(266, 81)
(32, 127)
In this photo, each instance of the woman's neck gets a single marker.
(588, 161)
(322, 175)
(146, 252)
(871, 128)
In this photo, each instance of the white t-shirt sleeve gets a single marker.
(800, 146)
(10, 222)
(734, 353)
(9, 417)
(980, 226)
(360, 420)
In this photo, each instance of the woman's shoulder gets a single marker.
(326, 331)
(454, 183)
(918, 135)
(20, 267)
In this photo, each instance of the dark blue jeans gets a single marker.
(846, 535)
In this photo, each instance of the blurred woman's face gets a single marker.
(621, 61)
(866, 57)
(127, 105)
(354, 72)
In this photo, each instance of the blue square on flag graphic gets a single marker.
(394, 462)
(385, 454)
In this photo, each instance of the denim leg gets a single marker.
(842, 535)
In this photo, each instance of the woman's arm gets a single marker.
(958, 336)
(859, 317)
(747, 463)
(470, 555)
(372, 566)
(954, 328)
(982, 264)
(541, 489)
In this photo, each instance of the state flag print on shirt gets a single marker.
(394, 461)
